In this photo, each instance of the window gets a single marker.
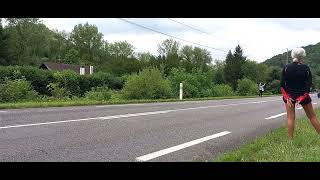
(82, 71)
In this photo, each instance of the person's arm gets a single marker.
(282, 84)
(309, 84)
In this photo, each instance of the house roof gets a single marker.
(61, 67)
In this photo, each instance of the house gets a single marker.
(80, 69)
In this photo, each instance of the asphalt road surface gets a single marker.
(176, 131)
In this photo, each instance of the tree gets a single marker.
(169, 47)
(240, 60)
(3, 46)
(121, 49)
(28, 41)
(229, 73)
(21, 21)
(202, 58)
(59, 45)
(145, 57)
(233, 68)
(187, 56)
(254, 71)
(72, 57)
(88, 41)
(169, 56)
(219, 72)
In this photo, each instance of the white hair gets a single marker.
(297, 54)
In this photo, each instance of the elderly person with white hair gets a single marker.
(295, 86)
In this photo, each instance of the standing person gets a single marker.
(295, 86)
(261, 89)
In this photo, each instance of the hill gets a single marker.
(312, 59)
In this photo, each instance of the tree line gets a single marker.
(28, 42)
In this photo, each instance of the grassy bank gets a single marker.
(275, 146)
(84, 102)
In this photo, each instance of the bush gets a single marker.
(195, 84)
(221, 90)
(58, 92)
(99, 94)
(16, 91)
(72, 82)
(148, 84)
(39, 78)
(246, 87)
(116, 96)
(105, 79)
(75, 83)
(274, 86)
(78, 85)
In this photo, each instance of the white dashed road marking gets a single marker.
(179, 147)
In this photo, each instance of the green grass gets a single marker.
(276, 147)
(84, 102)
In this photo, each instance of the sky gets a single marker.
(260, 38)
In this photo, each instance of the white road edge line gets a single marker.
(119, 105)
(183, 102)
(314, 103)
(299, 108)
(179, 147)
(275, 116)
(129, 115)
(3, 111)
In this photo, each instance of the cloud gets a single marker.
(260, 38)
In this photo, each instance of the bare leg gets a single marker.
(291, 118)
(312, 116)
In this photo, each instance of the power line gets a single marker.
(192, 27)
(189, 26)
(130, 22)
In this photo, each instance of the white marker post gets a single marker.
(181, 90)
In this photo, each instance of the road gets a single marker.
(155, 132)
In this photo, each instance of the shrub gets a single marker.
(105, 79)
(70, 81)
(195, 84)
(17, 90)
(247, 87)
(222, 90)
(116, 96)
(99, 94)
(148, 84)
(76, 84)
(58, 92)
(39, 78)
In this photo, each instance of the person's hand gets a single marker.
(289, 102)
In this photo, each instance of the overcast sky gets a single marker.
(260, 38)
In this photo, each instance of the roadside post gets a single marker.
(181, 91)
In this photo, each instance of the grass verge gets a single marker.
(276, 147)
(84, 102)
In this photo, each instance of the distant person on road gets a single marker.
(296, 81)
(261, 88)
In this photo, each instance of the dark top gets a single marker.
(296, 78)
